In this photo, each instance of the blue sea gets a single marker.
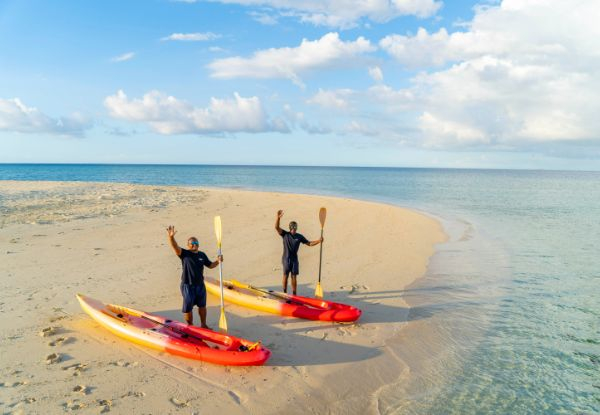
(513, 298)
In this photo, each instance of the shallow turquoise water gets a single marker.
(519, 280)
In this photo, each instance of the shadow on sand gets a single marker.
(289, 347)
(294, 341)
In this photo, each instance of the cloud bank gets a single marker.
(345, 14)
(167, 115)
(523, 73)
(291, 63)
(17, 117)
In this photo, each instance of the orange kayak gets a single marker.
(283, 304)
(174, 337)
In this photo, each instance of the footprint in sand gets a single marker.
(48, 331)
(60, 341)
(123, 363)
(53, 358)
(345, 332)
(77, 368)
(106, 404)
(355, 288)
(54, 319)
(134, 394)
(74, 405)
(178, 403)
(81, 389)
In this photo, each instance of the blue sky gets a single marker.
(423, 83)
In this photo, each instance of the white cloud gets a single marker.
(124, 57)
(346, 13)
(168, 115)
(192, 37)
(522, 73)
(449, 132)
(358, 128)
(338, 99)
(264, 18)
(17, 117)
(298, 119)
(290, 63)
(376, 73)
(398, 99)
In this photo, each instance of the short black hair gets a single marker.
(293, 225)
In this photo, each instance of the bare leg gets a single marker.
(202, 314)
(294, 283)
(189, 318)
(285, 278)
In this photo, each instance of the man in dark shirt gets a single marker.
(291, 244)
(192, 286)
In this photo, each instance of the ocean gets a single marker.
(513, 297)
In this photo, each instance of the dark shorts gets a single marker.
(193, 295)
(291, 266)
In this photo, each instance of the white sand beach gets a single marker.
(108, 241)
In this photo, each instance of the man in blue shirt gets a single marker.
(192, 286)
(291, 244)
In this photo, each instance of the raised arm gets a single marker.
(171, 234)
(277, 222)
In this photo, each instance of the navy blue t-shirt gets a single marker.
(192, 265)
(291, 244)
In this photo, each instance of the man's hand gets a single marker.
(316, 242)
(171, 231)
(277, 221)
(217, 262)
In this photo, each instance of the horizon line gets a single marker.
(294, 166)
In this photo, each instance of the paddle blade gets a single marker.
(218, 232)
(223, 322)
(322, 216)
(319, 291)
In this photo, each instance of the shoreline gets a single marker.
(306, 356)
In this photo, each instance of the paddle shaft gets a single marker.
(320, 256)
(276, 295)
(183, 333)
(164, 325)
(221, 279)
(219, 235)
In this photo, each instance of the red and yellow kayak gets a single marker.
(284, 304)
(174, 337)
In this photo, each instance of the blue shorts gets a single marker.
(193, 295)
(291, 266)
